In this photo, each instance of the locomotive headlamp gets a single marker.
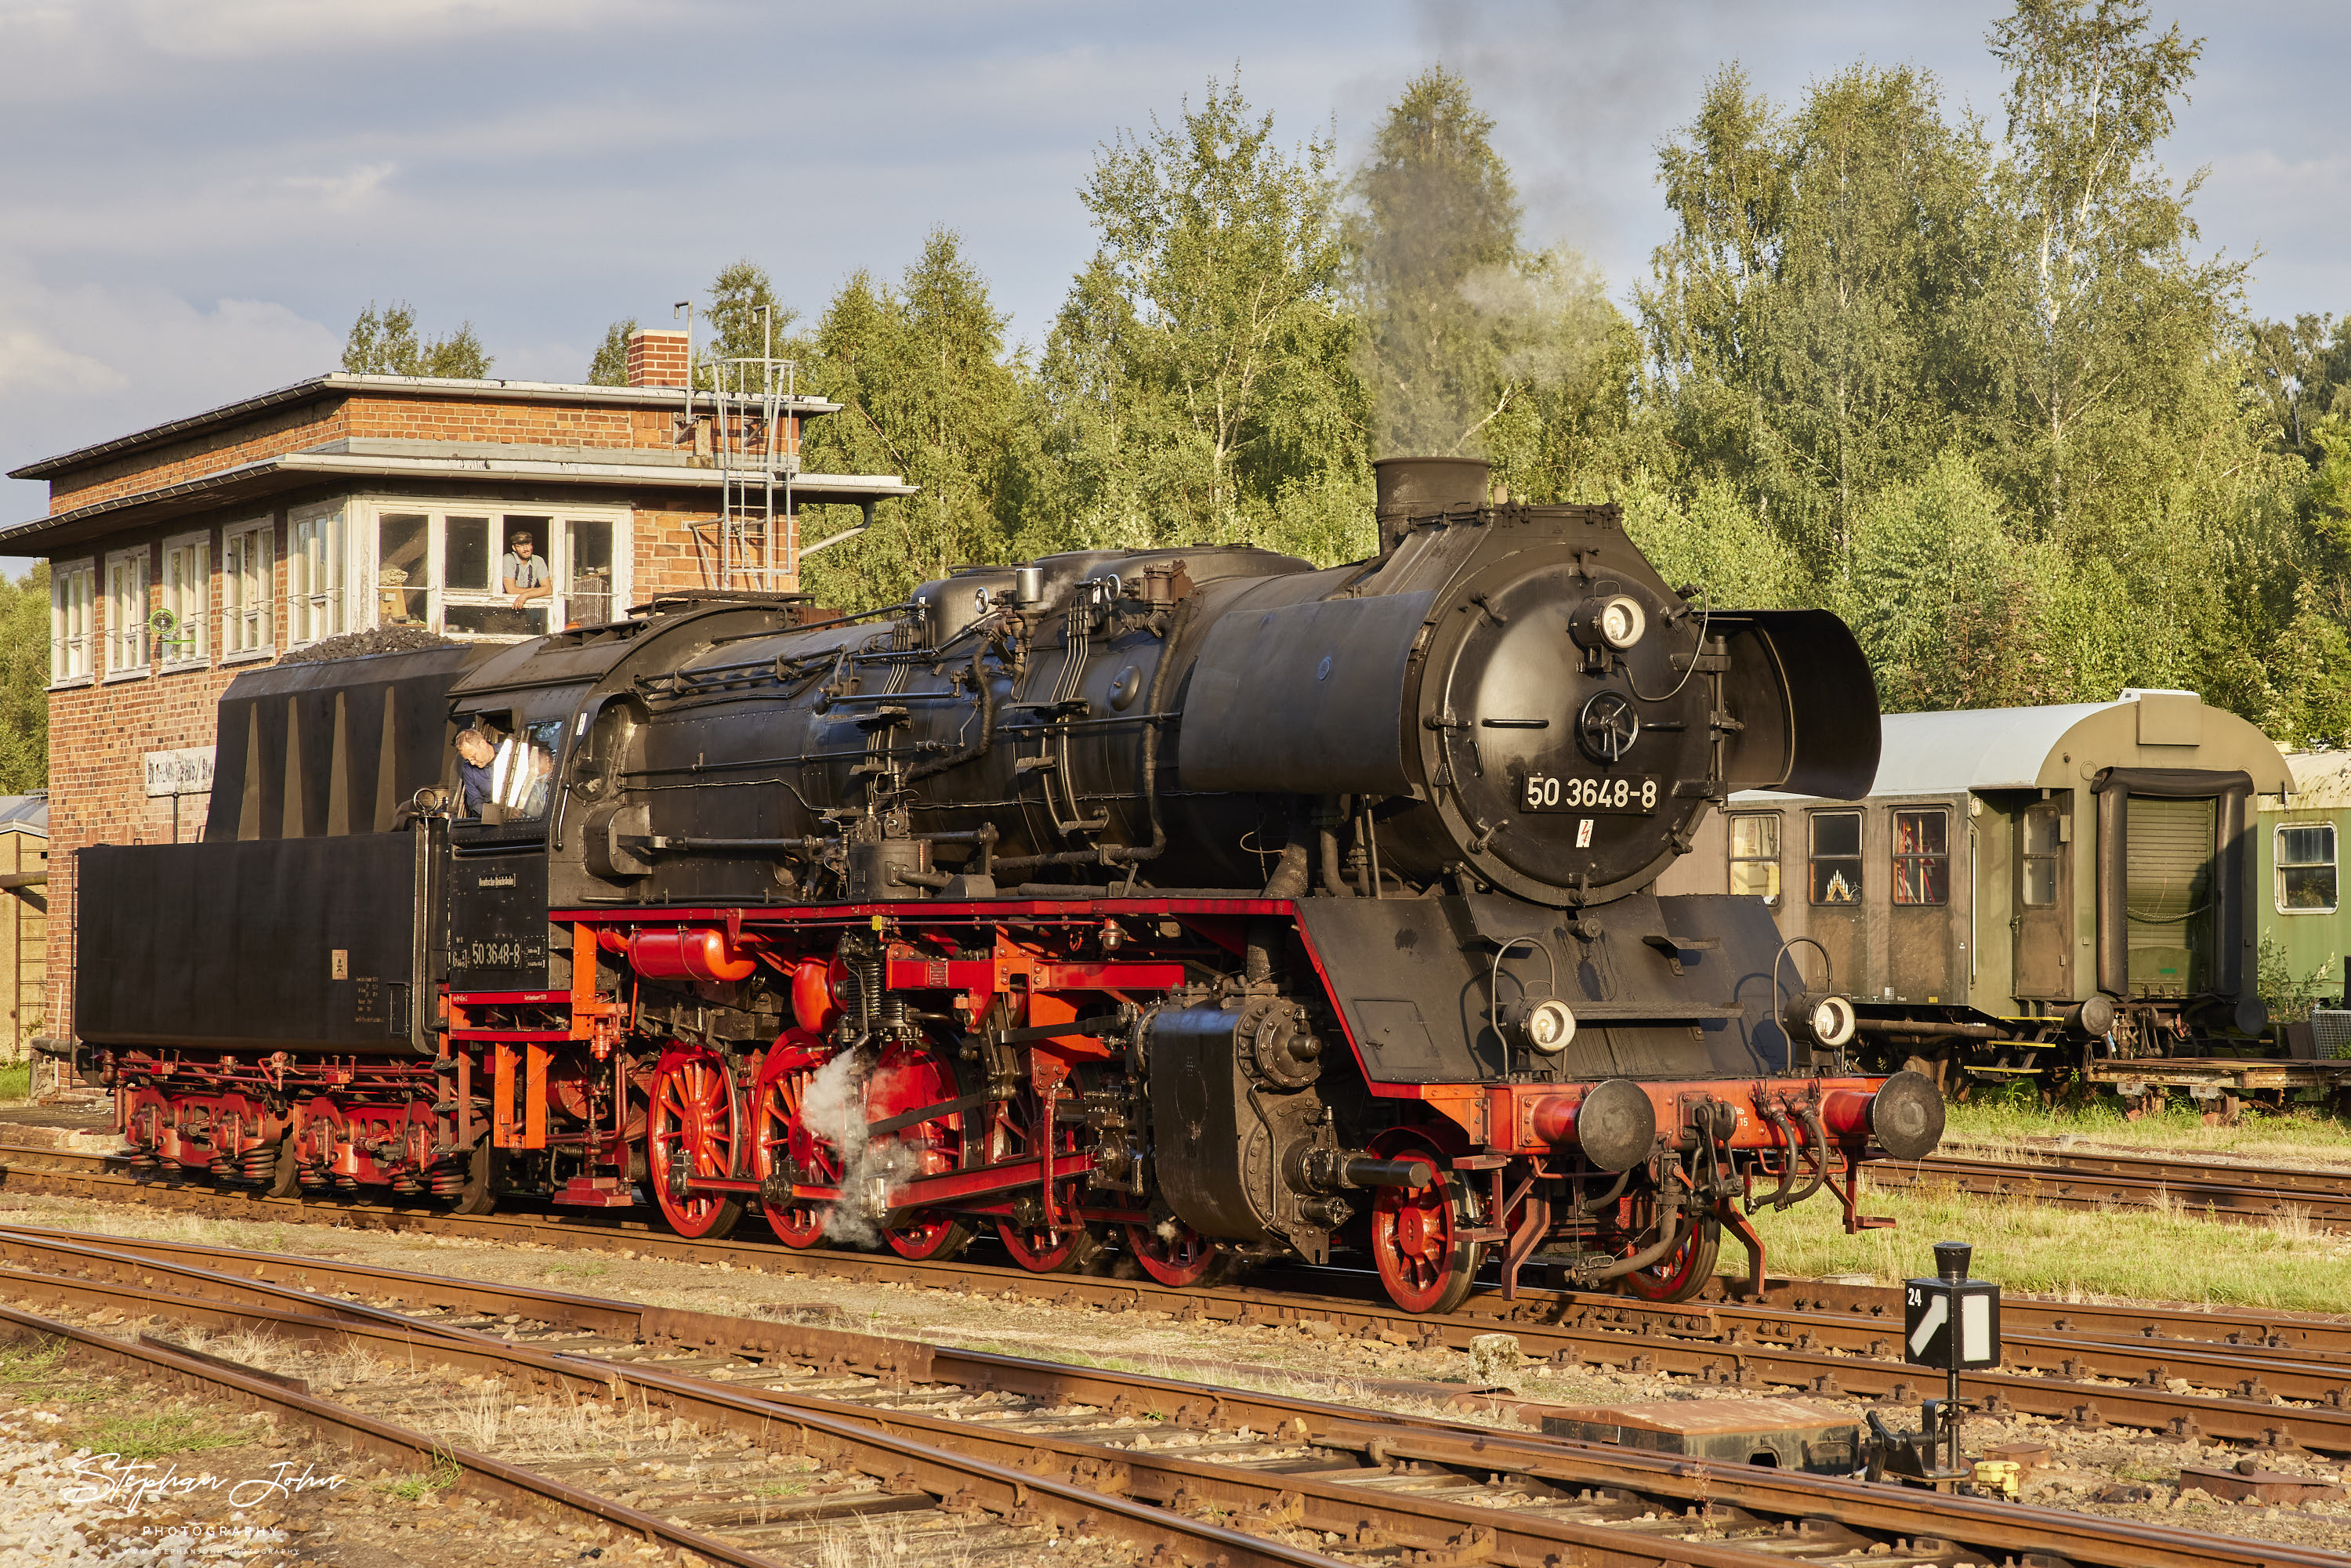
(1823, 1017)
(1621, 622)
(1541, 1023)
(1608, 622)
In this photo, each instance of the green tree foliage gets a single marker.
(1199, 383)
(1985, 398)
(610, 368)
(387, 344)
(2109, 313)
(1806, 323)
(23, 683)
(927, 394)
(1469, 343)
(1439, 221)
(743, 321)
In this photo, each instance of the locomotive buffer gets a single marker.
(1950, 1323)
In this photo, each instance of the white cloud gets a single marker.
(337, 193)
(83, 362)
(264, 29)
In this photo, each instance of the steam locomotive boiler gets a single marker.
(1198, 903)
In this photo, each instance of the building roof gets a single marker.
(2062, 746)
(344, 383)
(26, 813)
(425, 461)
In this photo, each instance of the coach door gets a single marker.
(2044, 922)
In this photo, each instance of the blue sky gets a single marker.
(199, 195)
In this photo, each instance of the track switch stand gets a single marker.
(1950, 1323)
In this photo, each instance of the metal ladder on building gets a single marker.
(754, 540)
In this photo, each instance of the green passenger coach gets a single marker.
(2024, 889)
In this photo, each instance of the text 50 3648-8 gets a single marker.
(1554, 793)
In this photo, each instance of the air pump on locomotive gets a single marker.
(1196, 904)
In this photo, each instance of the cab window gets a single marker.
(522, 773)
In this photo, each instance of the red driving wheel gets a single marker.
(1040, 1248)
(781, 1141)
(1171, 1253)
(1682, 1272)
(1417, 1238)
(690, 1127)
(909, 1078)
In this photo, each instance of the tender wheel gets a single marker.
(691, 1122)
(909, 1078)
(1416, 1239)
(480, 1193)
(1182, 1258)
(1683, 1272)
(780, 1140)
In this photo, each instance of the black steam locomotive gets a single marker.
(1197, 902)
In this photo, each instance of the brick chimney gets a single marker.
(657, 358)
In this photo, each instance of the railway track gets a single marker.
(2267, 1379)
(2252, 1193)
(931, 1433)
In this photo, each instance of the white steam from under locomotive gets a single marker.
(872, 1174)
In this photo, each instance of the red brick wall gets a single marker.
(659, 359)
(98, 736)
(153, 468)
(374, 415)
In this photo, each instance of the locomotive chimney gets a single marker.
(1411, 488)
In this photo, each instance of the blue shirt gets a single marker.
(473, 781)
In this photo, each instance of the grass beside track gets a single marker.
(2137, 1254)
(2303, 1135)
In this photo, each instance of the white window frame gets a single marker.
(248, 597)
(128, 578)
(367, 511)
(188, 558)
(2278, 868)
(319, 568)
(73, 624)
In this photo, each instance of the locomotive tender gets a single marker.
(1197, 901)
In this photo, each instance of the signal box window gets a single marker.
(2041, 853)
(73, 641)
(2306, 869)
(126, 612)
(1755, 855)
(1836, 857)
(247, 589)
(1922, 857)
(187, 597)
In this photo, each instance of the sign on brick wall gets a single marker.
(187, 771)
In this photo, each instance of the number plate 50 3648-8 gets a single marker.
(1558, 792)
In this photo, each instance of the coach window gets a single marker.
(2040, 851)
(2305, 868)
(1755, 855)
(1922, 857)
(1836, 857)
